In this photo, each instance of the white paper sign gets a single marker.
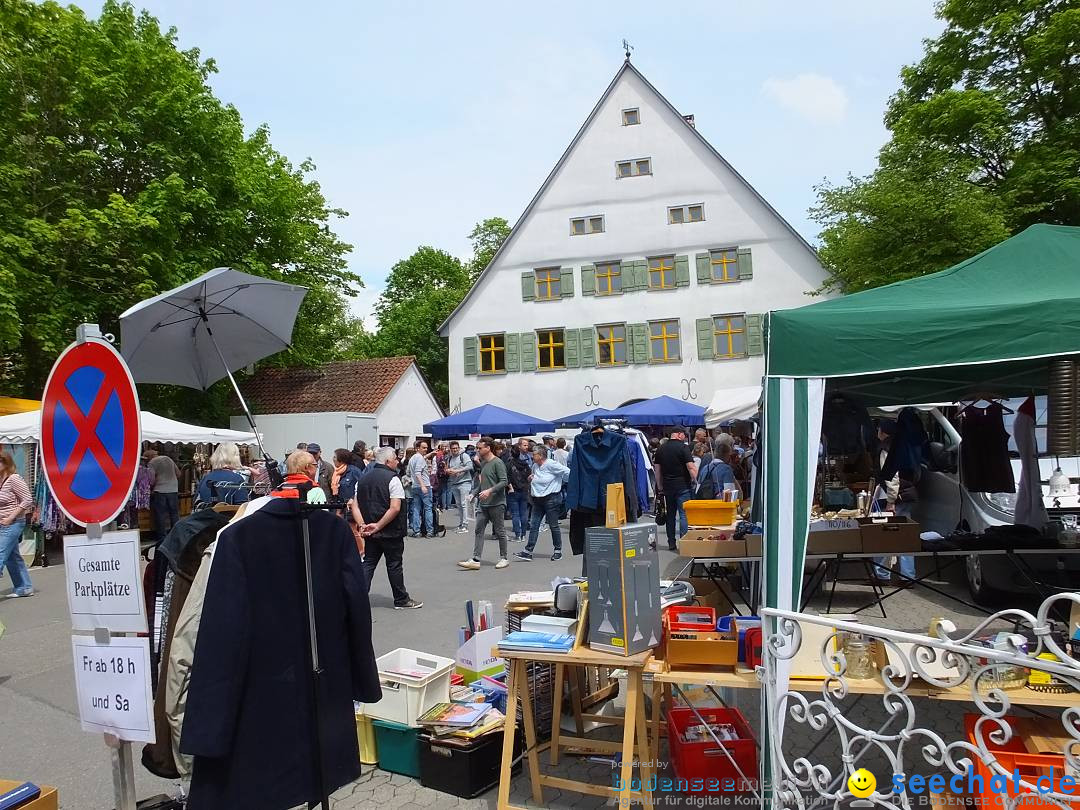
(104, 582)
(112, 686)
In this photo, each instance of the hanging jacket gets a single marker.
(600, 459)
(249, 718)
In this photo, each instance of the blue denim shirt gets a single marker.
(548, 478)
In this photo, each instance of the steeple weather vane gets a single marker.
(627, 47)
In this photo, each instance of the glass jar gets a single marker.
(857, 653)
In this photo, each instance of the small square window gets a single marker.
(551, 348)
(492, 354)
(664, 342)
(644, 166)
(608, 278)
(677, 215)
(611, 344)
(577, 226)
(697, 213)
(626, 168)
(596, 224)
(725, 265)
(548, 284)
(580, 226)
(633, 168)
(631, 117)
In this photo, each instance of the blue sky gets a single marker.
(426, 117)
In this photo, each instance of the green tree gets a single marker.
(985, 141)
(487, 237)
(421, 291)
(121, 175)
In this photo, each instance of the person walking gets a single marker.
(164, 492)
(380, 496)
(491, 504)
(345, 476)
(518, 461)
(325, 471)
(16, 503)
(459, 480)
(675, 471)
(545, 487)
(419, 473)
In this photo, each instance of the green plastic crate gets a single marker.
(398, 748)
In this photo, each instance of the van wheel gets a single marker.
(982, 593)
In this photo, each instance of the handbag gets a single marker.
(661, 510)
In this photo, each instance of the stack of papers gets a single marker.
(463, 720)
(537, 642)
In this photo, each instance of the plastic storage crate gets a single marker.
(405, 697)
(463, 768)
(711, 513)
(399, 748)
(706, 761)
(365, 740)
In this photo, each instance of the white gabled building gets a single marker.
(641, 267)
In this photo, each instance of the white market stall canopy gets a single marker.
(21, 428)
(732, 404)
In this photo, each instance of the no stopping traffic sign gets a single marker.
(90, 434)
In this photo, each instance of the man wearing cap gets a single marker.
(549, 444)
(675, 471)
(325, 471)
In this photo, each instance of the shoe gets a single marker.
(518, 540)
(543, 527)
(672, 548)
(462, 530)
(502, 563)
(412, 604)
(524, 555)
(470, 565)
(19, 595)
(556, 556)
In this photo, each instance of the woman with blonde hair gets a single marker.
(15, 504)
(226, 482)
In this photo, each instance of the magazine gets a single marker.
(454, 714)
(538, 642)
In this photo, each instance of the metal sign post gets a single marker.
(90, 444)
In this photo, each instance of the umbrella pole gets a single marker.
(236, 388)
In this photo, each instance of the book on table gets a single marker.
(457, 715)
(537, 642)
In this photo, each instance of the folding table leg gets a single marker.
(645, 750)
(531, 756)
(556, 711)
(633, 697)
(513, 687)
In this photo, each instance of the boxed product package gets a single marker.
(624, 589)
(892, 534)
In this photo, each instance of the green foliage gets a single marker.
(487, 237)
(121, 176)
(985, 141)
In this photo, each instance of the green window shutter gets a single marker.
(572, 348)
(746, 264)
(706, 345)
(682, 271)
(755, 331)
(588, 279)
(639, 342)
(470, 355)
(511, 343)
(588, 346)
(528, 286)
(641, 274)
(528, 351)
(566, 282)
(704, 269)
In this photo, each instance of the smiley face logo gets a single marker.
(862, 783)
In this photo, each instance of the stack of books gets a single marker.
(467, 720)
(537, 642)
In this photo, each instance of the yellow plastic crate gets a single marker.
(711, 513)
(365, 736)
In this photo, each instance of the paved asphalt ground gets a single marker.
(40, 737)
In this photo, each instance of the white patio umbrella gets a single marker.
(203, 331)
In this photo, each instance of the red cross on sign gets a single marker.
(90, 434)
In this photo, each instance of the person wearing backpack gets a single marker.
(712, 478)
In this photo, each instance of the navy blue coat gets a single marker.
(249, 709)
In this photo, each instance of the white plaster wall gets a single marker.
(407, 407)
(330, 430)
(635, 210)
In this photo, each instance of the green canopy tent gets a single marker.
(991, 323)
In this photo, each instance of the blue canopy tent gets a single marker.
(576, 419)
(662, 410)
(489, 420)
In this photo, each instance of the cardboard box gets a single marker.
(475, 658)
(48, 800)
(713, 542)
(708, 594)
(755, 544)
(890, 536)
(834, 537)
(624, 589)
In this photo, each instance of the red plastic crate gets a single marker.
(694, 618)
(1013, 755)
(705, 760)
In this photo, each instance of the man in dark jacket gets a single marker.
(381, 496)
(325, 468)
(358, 449)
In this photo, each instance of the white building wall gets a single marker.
(330, 430)
(685, 172)
(408, 407)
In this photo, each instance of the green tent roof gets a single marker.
(1000, 314)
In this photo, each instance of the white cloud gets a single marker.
(817, 98)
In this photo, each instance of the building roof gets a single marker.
(357, 386)
(626, 67)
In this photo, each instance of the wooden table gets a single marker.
(635, 740)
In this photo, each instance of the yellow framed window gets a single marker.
(725, 265)
(611, 344)
(551, 348)
(729, 336)
(662, 273)
(548, 283)
(664, 342)
(608, 278)
(492, 354)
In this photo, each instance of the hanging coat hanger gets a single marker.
(988, 397)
